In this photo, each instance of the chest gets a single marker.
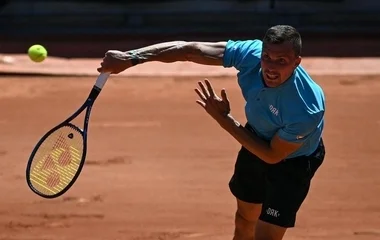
(263, 108)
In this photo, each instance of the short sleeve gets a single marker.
(240, 54)
(299, 131)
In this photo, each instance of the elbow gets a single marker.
(190, 50)
(273, 158)
(268, 155)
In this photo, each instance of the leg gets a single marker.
(268, 231)
(287, 186)
(246, 218)
(247, 185)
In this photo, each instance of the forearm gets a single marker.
(197, 52)
(249, 140)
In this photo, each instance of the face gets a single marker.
(278, 62)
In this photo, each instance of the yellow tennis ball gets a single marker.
(37, 53)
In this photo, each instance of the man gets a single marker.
(282, 147)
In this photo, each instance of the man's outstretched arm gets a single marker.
(206, 53)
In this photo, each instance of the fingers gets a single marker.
(209, 91)
(205, 92)
(101, 68)
(224, 96)
(210, 88)
(111, 62)
(207, 95)
(103, 65)
(201, 95)
(202, 104)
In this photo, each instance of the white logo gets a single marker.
(299, 137)
(273, 212)
(273, 110)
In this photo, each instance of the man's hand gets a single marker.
(115, 62)
(217, 107)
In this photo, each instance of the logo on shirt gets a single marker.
(273, 110)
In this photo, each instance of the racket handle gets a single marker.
(102, 79)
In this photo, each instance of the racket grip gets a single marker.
(102, 79)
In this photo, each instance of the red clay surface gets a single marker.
(86, 67)
(158, 165)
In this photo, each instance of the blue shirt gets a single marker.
(294, 110)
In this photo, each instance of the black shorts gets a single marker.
(281, 187)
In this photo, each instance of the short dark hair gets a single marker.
(284, 33)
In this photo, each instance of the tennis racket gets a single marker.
(57, 159)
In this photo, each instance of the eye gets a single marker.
(265, 57)
(282, 61)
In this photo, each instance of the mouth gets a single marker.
(272, 77)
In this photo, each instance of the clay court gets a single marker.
(158, 166)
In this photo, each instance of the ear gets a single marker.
(298, 61)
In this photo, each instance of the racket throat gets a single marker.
(94, 93)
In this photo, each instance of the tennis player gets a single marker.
(282, 145)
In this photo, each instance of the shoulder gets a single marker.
(309, 92)
(304, 97)
(242, 53)
(244, 45)
(303, 112)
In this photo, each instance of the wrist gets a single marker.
(135, 61)
(228, 122)
(236, 123)
(133, 57)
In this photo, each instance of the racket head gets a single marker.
(56, 161)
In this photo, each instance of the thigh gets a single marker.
(283, 199)
(248, 180)
(248, 211)
(287, 185)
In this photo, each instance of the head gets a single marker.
(282, 47)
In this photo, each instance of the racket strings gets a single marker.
(57, 160)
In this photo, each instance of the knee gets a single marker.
(266, 237)
(268, 231)
(246, 219)
(244, 225)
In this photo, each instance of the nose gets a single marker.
(270, 67)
